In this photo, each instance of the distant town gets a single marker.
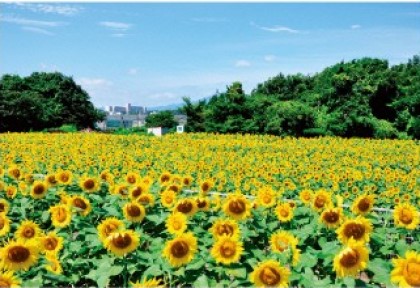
(130, 116)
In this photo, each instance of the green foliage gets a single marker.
(164, 119)
(44, 100)
(360, 98)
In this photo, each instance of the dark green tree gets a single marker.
(164, 119)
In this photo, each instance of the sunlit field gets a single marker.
(207, 210)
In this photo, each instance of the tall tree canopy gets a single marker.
(44, 100)
(360, 98)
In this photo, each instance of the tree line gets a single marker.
(362, 98)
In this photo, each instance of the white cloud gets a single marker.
(269, 58)
(242, 63)
(61, 9)
(29, 22)
(48, 67)
(133, 71)
(276, 28)
(38, 30)
(356, 26)
(209, 20)
(116, 26)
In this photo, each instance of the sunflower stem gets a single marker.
(125, 271)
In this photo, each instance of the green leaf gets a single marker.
(201, 281)
(153, 270)
(381, 270)
(401, 246)
(308, 260)
(34, 282)
(349, 282)
(196, 265)
(237, 273)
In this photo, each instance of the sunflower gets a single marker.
(186, 206)
(52, 243)
(81, 204)
(28, 230)
(51, 180)
(406, 272)
(4, 206)
(225, 227)
(176, 223)
(305, 196)
(203, 204)
(14, 172)
(363, 204)
(180, 250)
(29, 178)
(321, 200)
(89, 184)
(132, 178)
(54, 265)
(165, 178)
(227, 250)
(174, 187)
(283, 241)
(4, 225)
(205, 187)
(60, 215)
(187, 181)
(121, 189)
(134, 212)
(146, 199)
(39, 190)
(121, 243)
(357, 229)
(7, 279)
(266, 197)
(137, 190)
(237, 206)
(284, 212)
(351, 259)
(270, 274)
(332, 217)
(108, 226)
(64, 177)
(19, 255)
(148, 181)
(405, 215)
(151, 283)
(11, 192)
(167, 198)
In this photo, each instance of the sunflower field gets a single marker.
(89, 209)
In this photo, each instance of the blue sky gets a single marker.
(155, 53)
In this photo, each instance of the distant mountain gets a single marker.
(175, 106)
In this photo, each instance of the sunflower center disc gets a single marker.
(363, 205)
(18, 254)
(3, 283)
(133, 211)
(354, 230)
(225, 230)
(406, 217)
(185, 207)
(51, 243)
(331, 217)
(2, 222)
(122, 241)
(2, 208)
(89, 184)
(39, 189)
(412, 274)
(227, 250)
(269, 276)
(237, 207)
(29, 232)
(319, 202)
(349, 259)
(79, 203)
(180, 249)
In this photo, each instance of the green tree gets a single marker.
(195, 115)
(164, 119)
(44, 100)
